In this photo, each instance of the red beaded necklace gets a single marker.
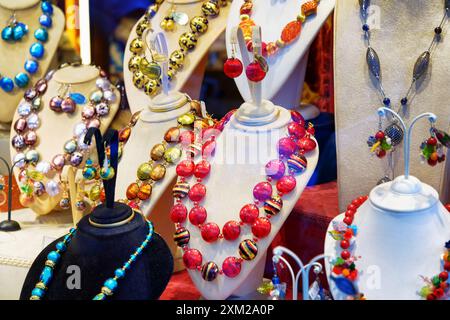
(290, 33)
(291, 149)
(345, 273)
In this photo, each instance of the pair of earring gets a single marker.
(66, 101)
(256, 71)
(92, 171)
(14, 30)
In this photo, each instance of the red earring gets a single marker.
(257, 70)
(233, 67)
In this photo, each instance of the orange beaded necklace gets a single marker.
(290, 33)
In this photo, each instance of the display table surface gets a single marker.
(303, 232)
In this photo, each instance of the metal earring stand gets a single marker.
(303, 271)
(9, 224)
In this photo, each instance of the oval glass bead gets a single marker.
(172, 155)
(158, 172)
(172, 135)
(291, 31)
(145, 191)
(186, 119)
(373, 62)
(144, 171)
(421, 65)
(157, 152)
(132, 191)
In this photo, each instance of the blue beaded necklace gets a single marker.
(36, 50)
(109, 286)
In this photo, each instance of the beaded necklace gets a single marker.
(345, 273)
(31, 66)
(290, 33)
(394, 131)
(34, 170)
(291, 151)
(148, 78)
(109, 286)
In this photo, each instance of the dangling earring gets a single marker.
(279, 288)
(431, 150)
(257, 70)
(233, 66)
(90, 171)
(14, 30)
(173, 16)
(64, 101)
(380, 143)
(80, 204)
(106, 171)
(64, 203)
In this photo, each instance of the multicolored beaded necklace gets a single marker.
(148, 78)
(344, 270)
(109, 286)
(31, 66)
(291, 150)
(290, 33)
(33, 170)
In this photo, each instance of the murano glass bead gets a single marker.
(158, 172)
(145, 191)
(210, 232)
(248, 249)
(291, 31)
(144, 171)
(255, 72)
(188, 41)
(209, 271)
(192, 259)
(231, 267)
(157, 152)
(181, 237)
(309, 8)
(136, 46)
(262, 191)
(249, 213)
(199, 24)
(197, 215)
(151, 87)
(233, 68)
(210, 8)
(231, 230)
(261, 228)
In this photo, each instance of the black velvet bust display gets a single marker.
(98, 252)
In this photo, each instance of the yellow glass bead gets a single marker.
(157, 152)
(199, 24)
(158, 172)
(151, 87)
(145, 191)
(176, 59)
(280, 43)
(186, 119)
(144, 171)
(244, 17)
(139, 80)
(133, 64)
(210, 8)
(188, 41)
(172, 135)
(167, 24)
(142, 26)
(171, 73)
(136, 46)
(301, 17)
(172, 155)
(94, 193)
(150, 69)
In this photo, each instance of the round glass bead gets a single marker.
(178, 213)
(46, 7)
(192, 259)
(231, 230)
(286, 184)
(53, 256)
(262, 191)
(231, 267)
(261, 228)
(181, 237)
(45, 20)
(233, 68)
(197, 192)
(286, 147)
(275, 169)
(111, 284)
(37, 50)
(31, 66)
(255, 72)
(7, 84)
(210, 232)
(21, 79)
(209, 271)
(249, 213)
(119, 273)
(41, 34)
(197, 215)
(7, 33)
(248, 249)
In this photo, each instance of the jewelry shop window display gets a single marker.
(75, 97)
(30, 33)
(199, 24)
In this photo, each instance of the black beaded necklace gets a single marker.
(393, 130)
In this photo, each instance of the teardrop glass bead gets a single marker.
(373, 63)
(421, 65)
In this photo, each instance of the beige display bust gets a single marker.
(405, 31)
(14, 55)
(190, 78)
(57, 128)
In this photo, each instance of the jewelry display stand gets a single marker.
(284, 84)
(398, 41)
(190, 78)
(401, 234)
(14, 55)
(56, 128)
(242, 151)
(302, 274)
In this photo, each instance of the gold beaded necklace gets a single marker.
(146, 77)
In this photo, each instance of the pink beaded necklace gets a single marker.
(291, 150)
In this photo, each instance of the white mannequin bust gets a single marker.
(402, 230)
(190, 78)
(398, 42)
(284, 84)
(242, 151)
(28, 12)
(82, 80)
